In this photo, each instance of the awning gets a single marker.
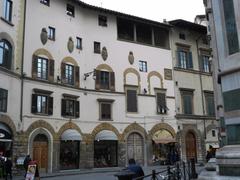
(5, 133)
(165, 141)
(71, 135)
(106, 135)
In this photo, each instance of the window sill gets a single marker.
(70, 117)
(6, 21)
(41, 114)
(105, 119)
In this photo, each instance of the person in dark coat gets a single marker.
(25, 163)
(137, 169)
(8, 168)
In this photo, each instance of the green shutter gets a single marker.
(34, 103)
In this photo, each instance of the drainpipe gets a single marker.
(22, 73)
(201, 86)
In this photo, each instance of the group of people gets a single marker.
(5, 167)
(210, 153)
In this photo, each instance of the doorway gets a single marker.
(40, 152)
(191, 149)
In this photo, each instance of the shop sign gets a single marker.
(2, 135)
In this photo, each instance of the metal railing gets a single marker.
(180, 171)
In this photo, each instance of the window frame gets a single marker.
(79, 43)
(206, 66)
(105, 102)
(7, 12)
(102, 20)
(51, 33)
(76, 104)
(7, 50)
(163, 110)
(131, 88)
(97, 47)
(143, 66)
(3, 100)
(46, 70)
(70, 10)
(45, 2)
(207, 101)
(187, 92)
(69, 77)
(187, 62)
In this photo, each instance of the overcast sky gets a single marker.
(154, 9)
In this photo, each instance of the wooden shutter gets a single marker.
(34, 66)
(178, 58)
(50, 105)
(189, 62)
(34, 103)
(187, 101)
(77, 111)
(112, 81)
(76, 68)
(63, 75)
(131, 101)
(98, 79)
(51, 70)
(63, 111)
(201, 63)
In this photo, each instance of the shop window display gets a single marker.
(69, 155)
(105, 153)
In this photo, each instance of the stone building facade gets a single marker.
(94, 87)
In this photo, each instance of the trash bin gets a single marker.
(125, 175)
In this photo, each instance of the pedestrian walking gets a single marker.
(25, 163)
(8, 168)
(32, 171)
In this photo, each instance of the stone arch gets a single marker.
(70, 60)
(42, 51)
(48, 134)
(69, 125)
(41, 124)
(104, 66)
(160, 126)
(105, 126)
(210, 127)
(134, 127)
(151, 74)
(134, 71)
(7, 120)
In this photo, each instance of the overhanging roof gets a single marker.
(123, 15)
(189, 25)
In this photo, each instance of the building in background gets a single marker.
(224, 24)
(193, 85)
(96, 87)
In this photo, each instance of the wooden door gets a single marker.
(135, 147)
(40, 154)
(191, 150)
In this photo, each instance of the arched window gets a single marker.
(5, 54)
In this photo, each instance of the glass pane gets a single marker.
(39, 104)
(1, 55)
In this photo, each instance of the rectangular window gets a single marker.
(184, 59)
(143, 66)
(97, 47)
(69, 74)
(42, 68)
(144, 33)
(42, 104)
(231, 27)
(125, 29)
(182, 36)
(131, 100)
(161, 37)
(104, 80)
(70, 107)
(79, 43)
(187, 102)
(213, 133)
(161, 103)
(45, 2)
(102, 20)
(105, 109)
(3, 100)
(7, 10)
(210, 107)
(205, 63)
(70, 10)
(51, 33)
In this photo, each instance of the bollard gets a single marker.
(184, 171)
(193, 169)
(154, 175)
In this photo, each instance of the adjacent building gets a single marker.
(223, 19)
(95, 87)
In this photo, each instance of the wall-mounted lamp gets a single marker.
(89, 73)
